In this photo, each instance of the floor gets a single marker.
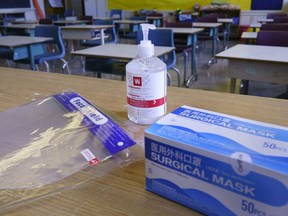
(213, 78)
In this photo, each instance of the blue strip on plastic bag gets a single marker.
(111, 135)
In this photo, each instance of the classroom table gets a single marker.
(126, 22)
(249, 37)
(24, 47)
(123, 52)
(265, 20)
(255, 26)
(192, 40)
(227, 22)
(120, 190)
(256, 62)
(70, 22)
(156, 20)
(214, 28)
(120, 51)
(28, 27)
(82, 32)
(25, 22)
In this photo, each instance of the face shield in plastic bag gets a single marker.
(46, 142)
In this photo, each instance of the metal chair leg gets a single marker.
(169, 79)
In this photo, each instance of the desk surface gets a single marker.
(25, 22)
(185, 30)
(16, 41)
(123, 51)
(225, 20)
(85, 27)
(256, 53)
(28, 26)
(64, 22)
(265, 20)
(255, 25)
(129, 21)
(121, 191)
(206, 24)
(249, 35)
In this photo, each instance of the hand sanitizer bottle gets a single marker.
(146, 80)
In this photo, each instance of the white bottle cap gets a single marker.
(146, 48)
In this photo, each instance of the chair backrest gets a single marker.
(116, 14)
(89, 19)
(280, 20)
(179, 24)
(46, 21)
(52, 32)
(180, 40)
(272, 38)
(53, 16)
(273, 27)
(111, 32)
(69, 12)
(161, 37)
(207, 19)
(276, 14)
(135, 28)
(217, 15)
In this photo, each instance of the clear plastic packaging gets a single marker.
(146, 80)
(54, 144)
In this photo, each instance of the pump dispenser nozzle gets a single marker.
(146, 48)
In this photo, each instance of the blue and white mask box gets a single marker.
(218, 164)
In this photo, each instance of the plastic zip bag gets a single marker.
(46, 143)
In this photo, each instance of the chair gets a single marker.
(275, 14)
(272, 38)
(104, 65)
(54, 49)
(53, 16)
(182, 43)
(110, 33)
(157, 22)
(89, 19)
(116, 14)
(69, 13)
(131, 33)
(7, 54)
(280, 20)
(273, 27)
(163, 37)
(207, 35)
(46, 21)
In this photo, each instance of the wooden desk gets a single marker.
(121, 191)
(254, 62)
(23, 46)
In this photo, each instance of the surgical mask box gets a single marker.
(218, 164)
